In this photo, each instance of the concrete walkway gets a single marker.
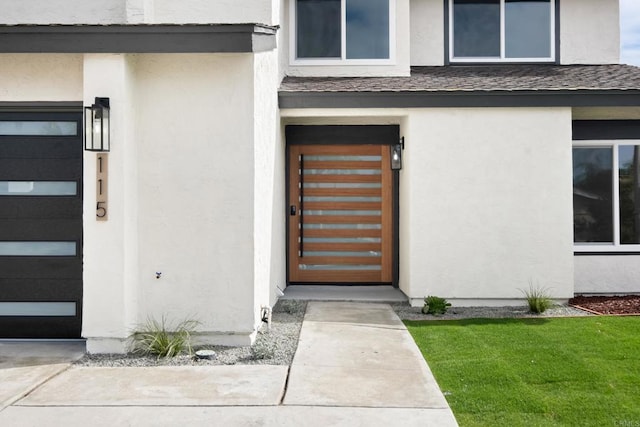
(356, 365)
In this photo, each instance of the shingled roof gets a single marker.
(480, 78)
(471, 86)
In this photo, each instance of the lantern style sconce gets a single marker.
(96, 126)
(396, 155)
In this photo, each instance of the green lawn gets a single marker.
(536, 372)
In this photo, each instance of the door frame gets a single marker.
(347, 135)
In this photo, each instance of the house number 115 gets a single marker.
(102, 187)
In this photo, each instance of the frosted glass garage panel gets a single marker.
(37, 248)
(38, 128)
(38, 188)
(37, 308)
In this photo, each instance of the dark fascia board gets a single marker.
(147, 38)
(58, 106)
(342, 134)
(585, 130)
(416, 99)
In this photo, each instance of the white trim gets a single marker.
(503, 58)
(615, 245)
(342, 61)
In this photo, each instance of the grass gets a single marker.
(536, 372)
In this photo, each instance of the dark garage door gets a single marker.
(40, 225)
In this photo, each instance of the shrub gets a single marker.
(159, 339)
(538, 299)
(435, 305)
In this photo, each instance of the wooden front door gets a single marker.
(340, 214)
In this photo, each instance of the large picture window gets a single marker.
(342, 30)
(606, 196)
(501, 30)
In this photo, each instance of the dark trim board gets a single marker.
(461, 99)
(41, 106)
(191, 38)
(342, 134)
(605, 253)
(584, 130)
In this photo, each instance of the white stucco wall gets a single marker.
(42, 77)
(427, 32)
(219, 11)
(195, 133)
(589, 32)
(611, 274)
(62, 12)
(397, 67)
(110, 263)
(268, 230)
(489, 204)
(138, 11)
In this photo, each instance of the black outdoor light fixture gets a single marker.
(96, 126)
(396, 155)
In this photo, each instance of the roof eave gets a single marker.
(144, 38)
(439, 99)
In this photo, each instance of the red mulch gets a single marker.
(629, 304)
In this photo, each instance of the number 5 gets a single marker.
(101, 211)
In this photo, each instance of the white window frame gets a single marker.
(502, 57)
(294, 60)
(614, 246)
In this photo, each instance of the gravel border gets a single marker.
(275, 347)
(405, 312)
(278, 346)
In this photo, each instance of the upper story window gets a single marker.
(606, 196)
(502, 30)
(342, 31)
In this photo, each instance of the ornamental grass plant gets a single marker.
(160, 339)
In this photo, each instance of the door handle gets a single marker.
(292, 210)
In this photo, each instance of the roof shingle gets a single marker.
(480, 79)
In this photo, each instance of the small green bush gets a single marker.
(159, 339)
(538, 299)
(435, 305)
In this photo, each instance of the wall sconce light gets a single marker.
(396, 155)
(96, 126)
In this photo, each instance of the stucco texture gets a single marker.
(489, 203)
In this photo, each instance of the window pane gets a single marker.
(629, 161)
(38, 188)
(476, 28)
(318, 28)
(37, 308)
(367, 29)
(24, 128)
(592, 195)
(37, 248)
(528, 29)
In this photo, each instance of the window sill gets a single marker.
(498, 61)
(607, 250)
(341, 62)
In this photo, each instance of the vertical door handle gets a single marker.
(301, 205)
